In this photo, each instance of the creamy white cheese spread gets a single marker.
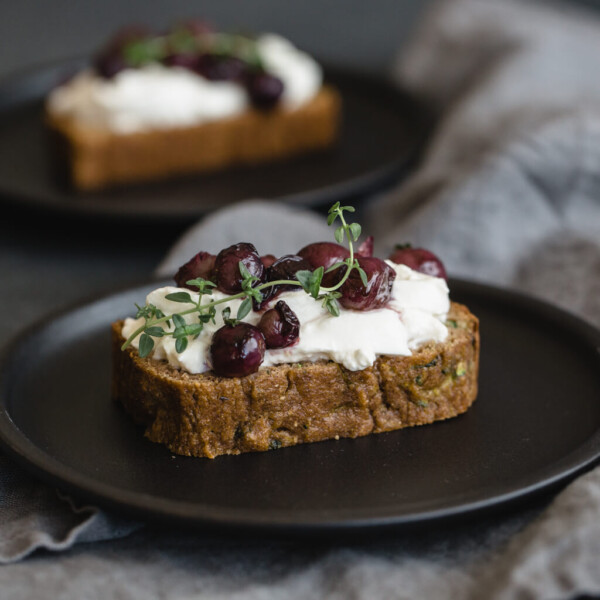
(161, 97)
(414, 315)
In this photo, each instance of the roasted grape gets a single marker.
(227, 271)
(202, 265)
(109, 63)
(366, 248)
(323, 254)
(220, 68)
(420, 260)
(268, 259)
(280, 326)
(184, 60)
(237, 350)
(111, 60)
(127, 34)
(264, 90)
(284, 268)
(380, 278)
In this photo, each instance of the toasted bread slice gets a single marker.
(207, 415)
(99, 158)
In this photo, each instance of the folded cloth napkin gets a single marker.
(33, 515)
(508, 192)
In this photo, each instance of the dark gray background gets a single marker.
(362, 33)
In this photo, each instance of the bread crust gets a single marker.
(206, 415)
(99, 158)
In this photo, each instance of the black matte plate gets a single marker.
(535, 424)
(381, 132)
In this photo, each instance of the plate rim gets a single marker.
(135, 504)
(375, 180)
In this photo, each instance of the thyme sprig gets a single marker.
(142, 51)
(252, 289)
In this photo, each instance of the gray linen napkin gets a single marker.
(508, 192)
(34, 515)
(272, 228)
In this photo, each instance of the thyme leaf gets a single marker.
(204, 285)
(181, 344)
(311, 281)
(244, 309)
(183, 297)
(146, 345)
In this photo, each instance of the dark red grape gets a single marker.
(221, 68)
(323, 254)
(280, 326)
(268, 259)
(109, 63)
(185, 60)
(264, 90)
(128, 34)
(366, 248)
(380, 278)
(326, 254)
(206, 65)
(237, 351)
(201, 265)
(111, 60)
(227, 271)
(420, 260)
(231, 68)
(286, 268)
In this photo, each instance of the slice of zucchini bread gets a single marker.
(99, 158)
(207, 415)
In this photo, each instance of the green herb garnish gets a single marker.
(309, 281)
(141, 51)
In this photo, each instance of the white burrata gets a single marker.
(415, 314)
(161, 97)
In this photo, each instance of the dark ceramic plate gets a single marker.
(535, 424)
(381, 132)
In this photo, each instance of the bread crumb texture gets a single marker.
(97, 158)
(206, 415)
